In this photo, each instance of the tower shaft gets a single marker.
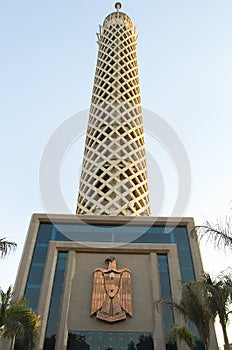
(114, 176)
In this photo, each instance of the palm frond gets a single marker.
(182, 334)
(219, 232)
(18, 321)
(6, 247)
(220, 297)
(194, 306)
(5, 300)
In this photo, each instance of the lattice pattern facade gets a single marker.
(114, 176)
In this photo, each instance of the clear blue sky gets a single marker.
(48, 56)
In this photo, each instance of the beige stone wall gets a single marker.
(141, 259)
(82, 288)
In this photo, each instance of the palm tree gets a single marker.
(6, 247)
(220, 290)
(181, 333)
(194, 306)
(17, 321)
(5, 299)
(220, 232)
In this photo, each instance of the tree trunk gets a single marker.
(12, 343)
(203, 339)
(226, 340)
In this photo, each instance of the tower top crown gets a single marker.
(118, 6)
(117, 17)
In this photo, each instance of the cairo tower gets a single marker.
(94, 276)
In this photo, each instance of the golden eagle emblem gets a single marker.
(111, 294)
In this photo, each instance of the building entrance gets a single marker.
(110, 341)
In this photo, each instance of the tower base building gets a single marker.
(88, 302)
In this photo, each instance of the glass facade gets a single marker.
(165, 290)
(98, 233)
(110, 341)
(46, 233)
(165, 286)
(51, 331)
(102, 233)
(177, 235)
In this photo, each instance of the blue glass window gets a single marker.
(32, 295)
(36, 273)
(177, 235)
(40, 253)
(110, 341)
(53, 316)
(106, 233)
(44, 234)
(165, 286)
(165, 290)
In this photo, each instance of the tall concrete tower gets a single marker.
(114, 176)
(94, 277)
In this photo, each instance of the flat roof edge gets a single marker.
(107, 219)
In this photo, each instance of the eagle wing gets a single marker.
(98, 291)
(125, 293)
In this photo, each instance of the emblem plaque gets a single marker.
(111, 293)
